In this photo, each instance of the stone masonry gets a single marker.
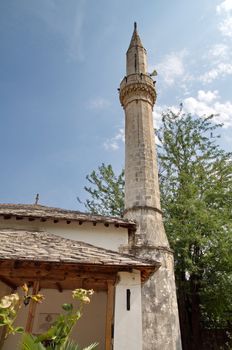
(142, 203)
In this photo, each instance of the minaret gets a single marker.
(142, 202)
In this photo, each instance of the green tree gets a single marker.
(196, 195)
(106, 192)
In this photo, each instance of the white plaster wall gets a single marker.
(106, 237)
(89, 329)
(128, 324)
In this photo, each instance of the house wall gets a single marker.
(4, 289)
(90, 328)
(128, 323)
(101, 236)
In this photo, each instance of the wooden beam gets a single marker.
(32, 308)
(9, 283)
(33, 272)
(43, 219)
(68, 277)
(57, 276)
(31, 219)
(109, 316)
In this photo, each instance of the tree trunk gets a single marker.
(196, 324)
(189, 312)
(184, 314)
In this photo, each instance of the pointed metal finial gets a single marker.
(135, 26)
(37, 199)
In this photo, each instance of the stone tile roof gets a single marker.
(45, 212)
(46, 247)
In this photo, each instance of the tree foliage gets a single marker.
(196, 195)
(106, 192)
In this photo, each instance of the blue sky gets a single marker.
(61, 63)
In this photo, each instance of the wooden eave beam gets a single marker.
(62, 271)
(59, 277)
(7, 217)
(43, 218)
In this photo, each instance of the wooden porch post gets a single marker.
(109, 315)
(32, 308)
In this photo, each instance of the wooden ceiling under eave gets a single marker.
(61, 276)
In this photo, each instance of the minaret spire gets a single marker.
(136, 55)
(142, 202)
(135, 39)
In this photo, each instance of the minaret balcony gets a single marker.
(137, 78)
(137, 87)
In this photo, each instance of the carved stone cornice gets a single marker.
(137, 87)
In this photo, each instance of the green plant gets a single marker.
(9, 307)
(29, 342)
(57, 337)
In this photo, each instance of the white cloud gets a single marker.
(208, 96)
(98, 103)
(157, 115)
(204, 104)
(225, 10)
(114, 143)
(219, 51)
(194, 106)
(222, 69)
(226, 27)
(225, 6)
(172, 67)
(207, 103)
(218, 58)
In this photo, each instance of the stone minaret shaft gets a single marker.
(137, 95)
(142, 202)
